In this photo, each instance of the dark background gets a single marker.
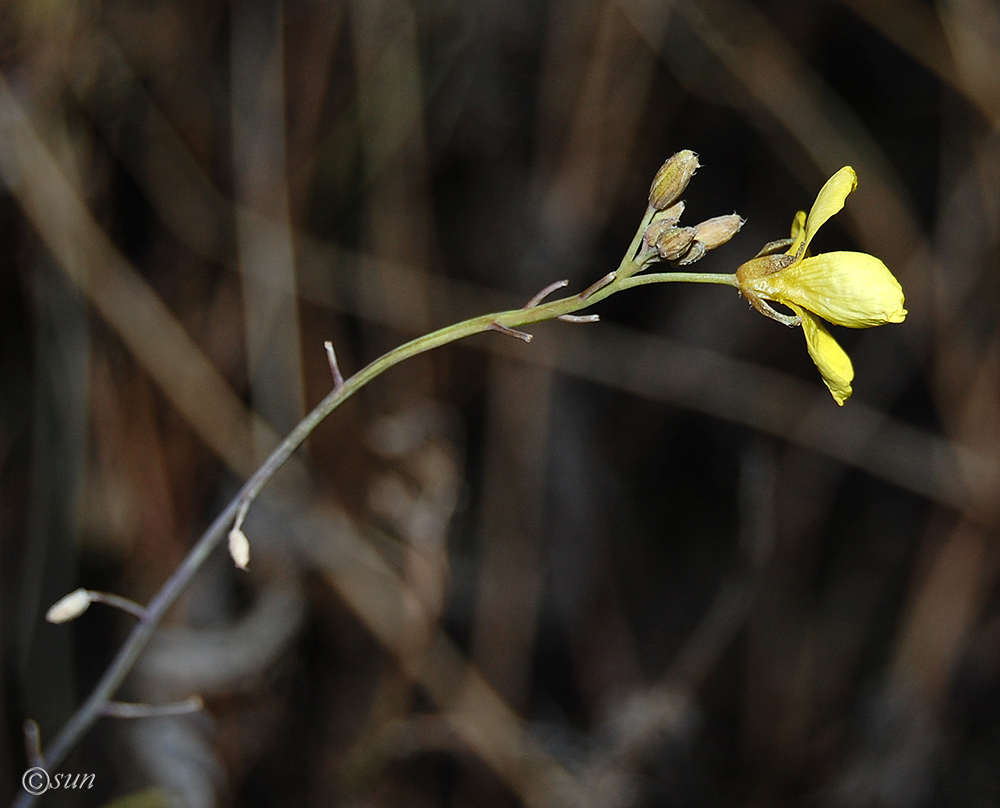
(647, 562)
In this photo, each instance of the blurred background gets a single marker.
(647, 562)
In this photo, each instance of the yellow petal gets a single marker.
(798, 231)
(845, 288)
(830, 200)
(831, 360)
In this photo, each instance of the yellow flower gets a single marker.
(845, 288)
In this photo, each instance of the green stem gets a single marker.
(629, 264)
(625, 277)
(680, 277)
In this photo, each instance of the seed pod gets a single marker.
(672, 179)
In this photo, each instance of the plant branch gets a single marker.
(635, 260)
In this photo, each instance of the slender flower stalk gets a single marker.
(639, 256)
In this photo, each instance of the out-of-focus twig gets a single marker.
(265, 247)
(474, 710)
(115, 290)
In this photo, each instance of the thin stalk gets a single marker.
(679, 277)
(634, 260)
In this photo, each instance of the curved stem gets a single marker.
(624, 277)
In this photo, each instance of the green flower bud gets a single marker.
(672, 179)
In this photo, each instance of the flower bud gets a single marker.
(69, 607)
(672, 179)
(654, 230)
(715, 232)
(673, 242)
(671, 215)
(695, 253)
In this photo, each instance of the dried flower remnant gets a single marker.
(239, 548)
(69, 607)
(845, 288)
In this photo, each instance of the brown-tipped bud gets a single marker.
(672, 179)
(715, 232)
(673, 242)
